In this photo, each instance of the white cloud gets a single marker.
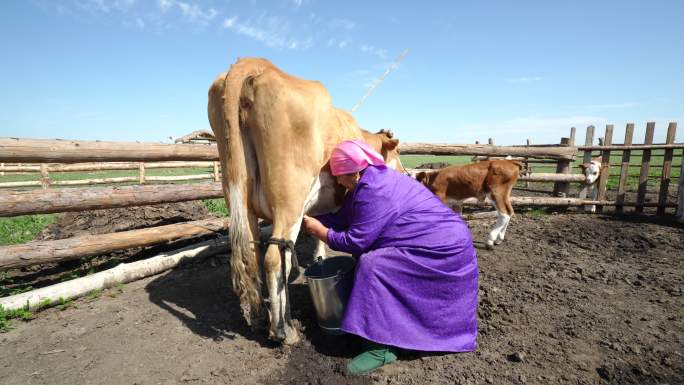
(192, 12)
(297, 3)
(341, 23)
(524, 79)
(332, 42)
(270, 30)
(108, 5)
(314, 18)
(229, 23)
(379, 52)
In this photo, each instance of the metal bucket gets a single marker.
(330, 281)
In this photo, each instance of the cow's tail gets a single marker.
(244, 265)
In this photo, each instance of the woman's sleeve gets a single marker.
(339, 220)
(372, 211)
(336, 220)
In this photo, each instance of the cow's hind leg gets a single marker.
(278, 251)
(501, 217)
(509, 212)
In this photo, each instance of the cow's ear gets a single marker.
(392, 144)
(584, 166)
(420, 176)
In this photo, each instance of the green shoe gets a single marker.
(371, 359)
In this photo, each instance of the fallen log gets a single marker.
(123, 273)
(93, 198)
(40, 252)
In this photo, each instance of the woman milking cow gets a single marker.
(416, 280)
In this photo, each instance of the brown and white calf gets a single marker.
(592, 172)
(493, 179)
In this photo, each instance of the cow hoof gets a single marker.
(490, 245)
(283, 337)
(291, 339)
(498, 241)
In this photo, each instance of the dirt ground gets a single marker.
(568, 298)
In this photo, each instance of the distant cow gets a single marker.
(592, 172)
(492, 179)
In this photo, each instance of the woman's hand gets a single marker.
(314, 227)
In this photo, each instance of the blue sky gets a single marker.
(511, 70)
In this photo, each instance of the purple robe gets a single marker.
(415, 284)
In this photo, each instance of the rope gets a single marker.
(284, 244)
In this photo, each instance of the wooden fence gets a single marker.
(45, 169)
(53, 156)
(131, 156)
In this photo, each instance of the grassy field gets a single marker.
(80, 175)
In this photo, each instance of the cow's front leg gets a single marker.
(281, 326)
(593, 194)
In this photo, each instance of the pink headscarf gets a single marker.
(352, 156)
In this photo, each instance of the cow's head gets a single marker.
(591, 171)
(384, 142)
(426, 178)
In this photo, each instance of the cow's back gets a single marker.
(463, 181)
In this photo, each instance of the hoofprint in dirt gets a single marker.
(576, 299)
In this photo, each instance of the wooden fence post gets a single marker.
(588, 141)
(216, 172)
(645, 163)
(573, 131)
(527, 165)
(44, 176)
(624, 169)
(141, 173)
(563, 167)
(605, 166)
(680, 192)
(667, 168)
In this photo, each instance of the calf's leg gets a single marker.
(501, 218)
(509, 211)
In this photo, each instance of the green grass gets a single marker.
(411, 161)
(537, 212)
(6, 317)
(94, 294)
(216, 206)
(21, 229)
(65, 303)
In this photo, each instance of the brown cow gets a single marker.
(275, 134)
(492, 179)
